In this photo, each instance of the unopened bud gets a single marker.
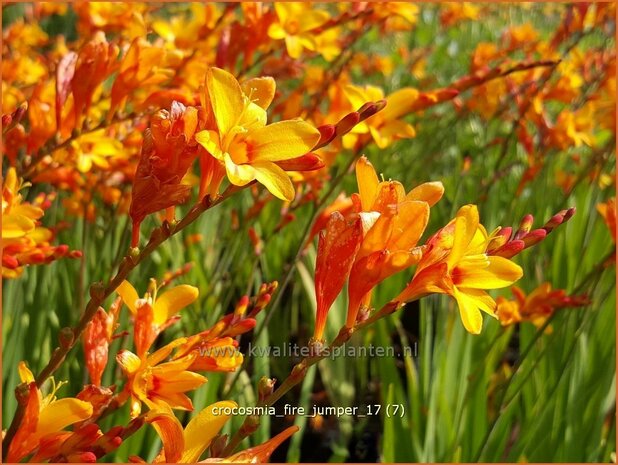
(66, 337)
(241, 306)
(133, 253)
(97, 291)
(534, 237)
(266, 386)
(346, 123)
(524, 226)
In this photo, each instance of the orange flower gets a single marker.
(387, 125)
(24, 242)
(168, 151)
(157, 384)
(456, 263)
(393, 222)
(154, 312)
(96, 60)
(337, 247)
(44, 416)
(536, 307)
(140, 67)
(97, 337)
(188, 444)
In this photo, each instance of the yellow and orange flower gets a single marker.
(24, 241)
(387, 125)
(238, 138)
(154, 312)
(393, 222)
(188, 444)
(296, 21)
(43, 417)
(537, 306)
(456, 263)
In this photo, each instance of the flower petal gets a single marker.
(202, 429)
(129, 295)
(226, 98)
(429, 192)
(282, 141)
(260, 90)
(469, 312)
(171, 302)
(367, 181)
(275, 180)
(500, 272)
(64, 412)
(239, 175)
(128, 361)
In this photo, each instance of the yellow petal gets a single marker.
(171, 302)
(64, 412)
(253, 117)
(282, 141)
(466, 224)
(312, 19)
(287, 10)
(239, 175)
(16, 226)
(429, 192)
(260, 90)
(293, 46)
(367, 181)
(27, 210)
(500, 272)
(275, 180)
(226, 98)
(128, 361)
(356, 95)
(210, 141)
(129, 295)
(25, 375)
(276, 31)
(469, 312)
(202, 429)
(482, 300)
(399, 103)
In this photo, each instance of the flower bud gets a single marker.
(97, 291)
(66, 337)
(266, 386)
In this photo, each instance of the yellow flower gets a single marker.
(296, 20)
(456, 263)
(248, 148)
(43, 416)
(387, 125)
